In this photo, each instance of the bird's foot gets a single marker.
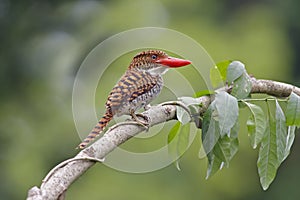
(145, 122)
(147, 107)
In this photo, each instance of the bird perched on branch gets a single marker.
(141, 83)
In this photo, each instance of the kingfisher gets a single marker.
(141, 83)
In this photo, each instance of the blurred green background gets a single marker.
(42, 46)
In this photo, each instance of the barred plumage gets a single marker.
(141, 83)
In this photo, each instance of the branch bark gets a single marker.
(56, 183)
(274, 88)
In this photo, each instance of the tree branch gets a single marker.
(273, 88)
(63, 175)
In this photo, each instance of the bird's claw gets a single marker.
(147, 107)
(145, 123)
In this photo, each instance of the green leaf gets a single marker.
(214, 165)
(256, 124)
(289, 140)
(174, 131)
(234, 130)
(204, 93)
(210, 130)
(235, 70)
(226, 148)
(182, 142)
(293, 110)
(183, 139)
(242, 86)
(215, 77)
(222, 153)
(172, 142)
(267, 162)
(275, 146)
(218, 73)
(281, 133)
(228, 111)
(222, 67)
(182, 115)
(178, 141)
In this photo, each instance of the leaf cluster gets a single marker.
(273, 131)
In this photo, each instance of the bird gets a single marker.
(141, 83)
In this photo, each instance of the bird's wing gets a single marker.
(133, 84)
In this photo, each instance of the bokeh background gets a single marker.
(42, 46)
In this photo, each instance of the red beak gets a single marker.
(173, 62)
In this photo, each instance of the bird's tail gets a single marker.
(102, 123)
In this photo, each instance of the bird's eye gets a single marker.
(154, 57)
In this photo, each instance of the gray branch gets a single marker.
(56, 183)
(274, 88)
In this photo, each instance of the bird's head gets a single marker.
(156, 62)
